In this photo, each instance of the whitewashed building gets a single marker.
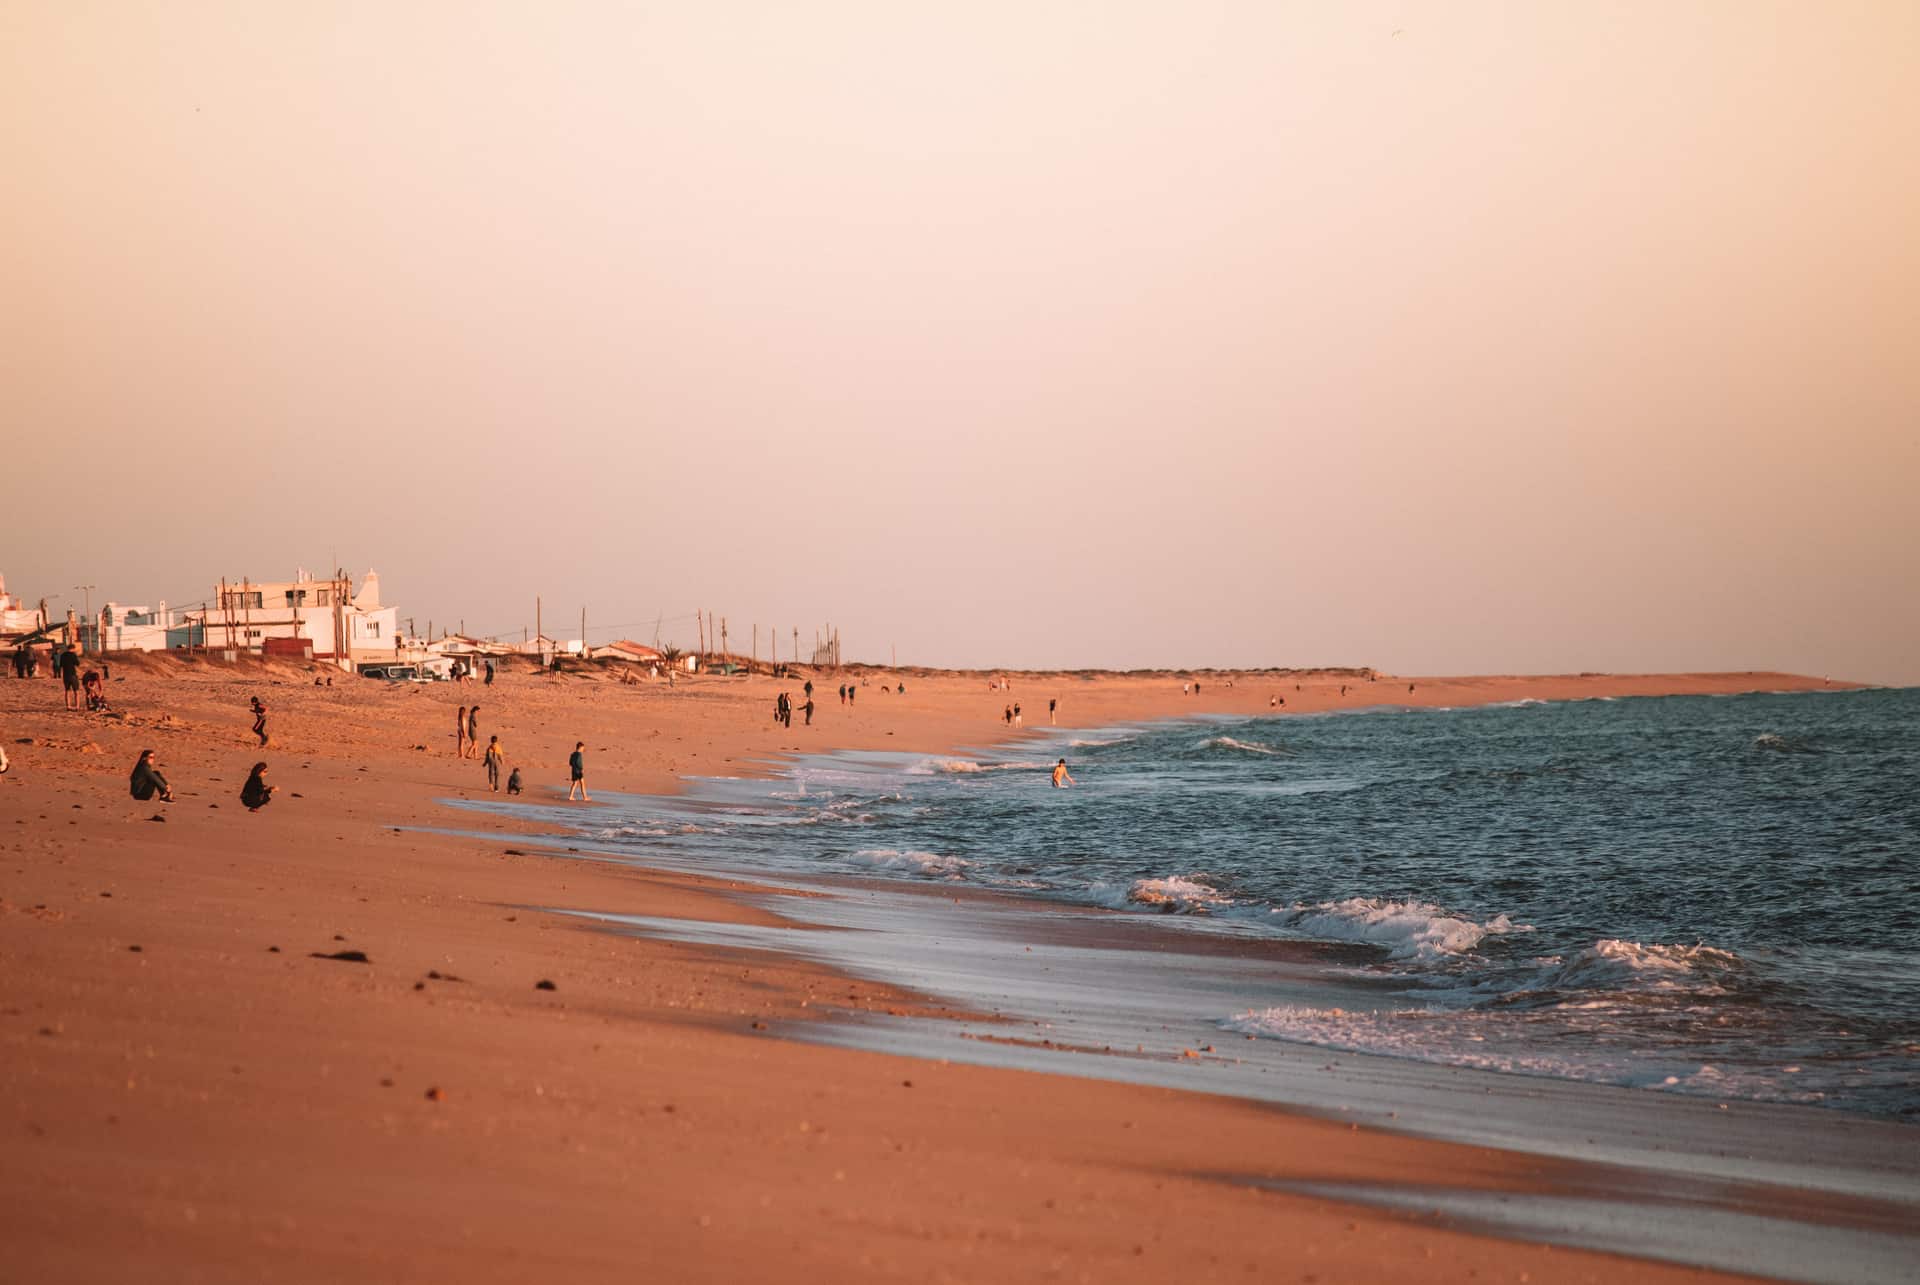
(327, 619)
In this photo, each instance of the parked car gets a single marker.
(394, 673)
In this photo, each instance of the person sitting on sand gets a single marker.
(96, 691)
(577, 766)
(146, 782)
(496, 757)
(513, 781)
(256, 793)
(1060, 778)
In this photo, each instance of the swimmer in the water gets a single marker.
(1060, 777)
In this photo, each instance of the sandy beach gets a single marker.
(195, 1085)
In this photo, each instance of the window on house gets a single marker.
(321, 597)
(373, 629)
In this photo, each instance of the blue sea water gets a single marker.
(1714, 895)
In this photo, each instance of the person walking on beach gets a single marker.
(473, 730)
(1016, 713)
(1006, 716)
(1053, 703)
(496, 759)
(460, 731)
(807, 709)
(577, 766)
(147, 782)
(843, 693)
(69, 667)
(489, 679)
(256, 793)
(808, 689)
(260, 721)
(1060, 778)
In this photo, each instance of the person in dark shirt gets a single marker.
(69, 667)
(473, 730)
(807, 709)
(256, 793)
(96, 691)
(489, 681)
(146, 782)
(577, 766)
(260, 721)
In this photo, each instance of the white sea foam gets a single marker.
(1174, 894)
(968, 767)
(1495, 1042)
(657, 831)
(1613, 965)
(1408, 929)
(1245, 747)
(926, 865)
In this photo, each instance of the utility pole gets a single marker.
(539, 631)
(583, 631)
(87, 590)
(756, 643)
(723, 639)
(796, 644)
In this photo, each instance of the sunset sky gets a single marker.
(1445, 338)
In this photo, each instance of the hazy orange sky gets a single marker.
(1444, 338)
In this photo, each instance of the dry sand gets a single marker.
(187, 1093)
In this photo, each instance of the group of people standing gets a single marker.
(463, 673)
(783, 708)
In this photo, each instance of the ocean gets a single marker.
(1711, 896)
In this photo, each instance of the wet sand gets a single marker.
(191, 1090)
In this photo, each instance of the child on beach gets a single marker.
(513, 781)
(807, 709)
(496, 759)
(147, 782)
(577, 766)
(256, 793)
(260, 721)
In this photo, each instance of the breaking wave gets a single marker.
(1171, 894)
(1245, 747)
(924, 865)
(1409, 930)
